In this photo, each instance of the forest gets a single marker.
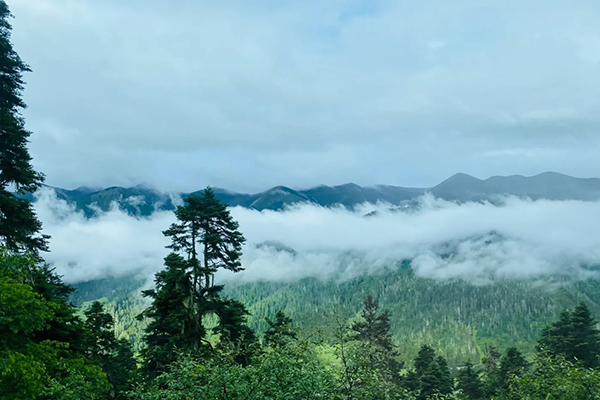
(197, 340)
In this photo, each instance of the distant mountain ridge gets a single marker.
(140, 200)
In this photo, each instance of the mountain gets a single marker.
(140, 200)
(548, 185)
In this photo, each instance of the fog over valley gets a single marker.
(474, 241)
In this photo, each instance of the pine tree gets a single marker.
(233, 330)
(374, 329)
(573, 336)
(173, 326)
(431, 375)
(115, 357)
(19, 226)
(555, 338)
(491, 365)
(584, 336)
(208, 234)
(204, 239)
(446, 383)
(100, 338)
(511, 364)
(469, 383)
(280, 330)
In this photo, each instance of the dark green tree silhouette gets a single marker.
(374, 329)
(511, 364)
(491, 375)
(115, 357)
(207, 233)
(19, 227)
(204, 239)
(573, 336)
(280, 330)
(174, 325)
(431, 375)
(469, 382)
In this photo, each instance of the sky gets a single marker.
(521, 239)
(248, 95)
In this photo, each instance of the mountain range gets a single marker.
(140, 200)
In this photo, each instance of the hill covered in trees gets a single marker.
(457, 317)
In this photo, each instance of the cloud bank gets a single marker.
(477, 242)
(238, 94)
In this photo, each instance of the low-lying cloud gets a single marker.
(477, 242)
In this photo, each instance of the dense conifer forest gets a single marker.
(188, 337)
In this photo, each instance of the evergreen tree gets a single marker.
(374, 329)
(491, 364)
(584, 336)
(204, 239)
(115, 357)
(511, 364)
(431, 375)
(41, 339)
(100, 338)
(19, 226)
(573, 336)
(280, 330)
(469, 383)
(208, 234)
(446, 383)
(173, 324)
(233, 330)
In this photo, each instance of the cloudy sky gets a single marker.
(247, 95)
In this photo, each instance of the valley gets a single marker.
(456, 317)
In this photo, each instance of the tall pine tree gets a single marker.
(204, 239)
(19, 227)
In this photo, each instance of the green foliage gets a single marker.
(363, 370)
(573, 336)
(41, 339)
(374, 331)
(280, 330)
(430, 376)
(457, 318)
(285, 373)
(469, 383)
(19, 226)
(173, 327)
(115, 357)
(204, 239)
(555, 378)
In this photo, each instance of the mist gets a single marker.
(478, 242)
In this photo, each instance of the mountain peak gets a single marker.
(462, 177)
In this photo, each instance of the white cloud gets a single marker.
(521, 239)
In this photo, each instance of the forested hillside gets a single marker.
(457, 317)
